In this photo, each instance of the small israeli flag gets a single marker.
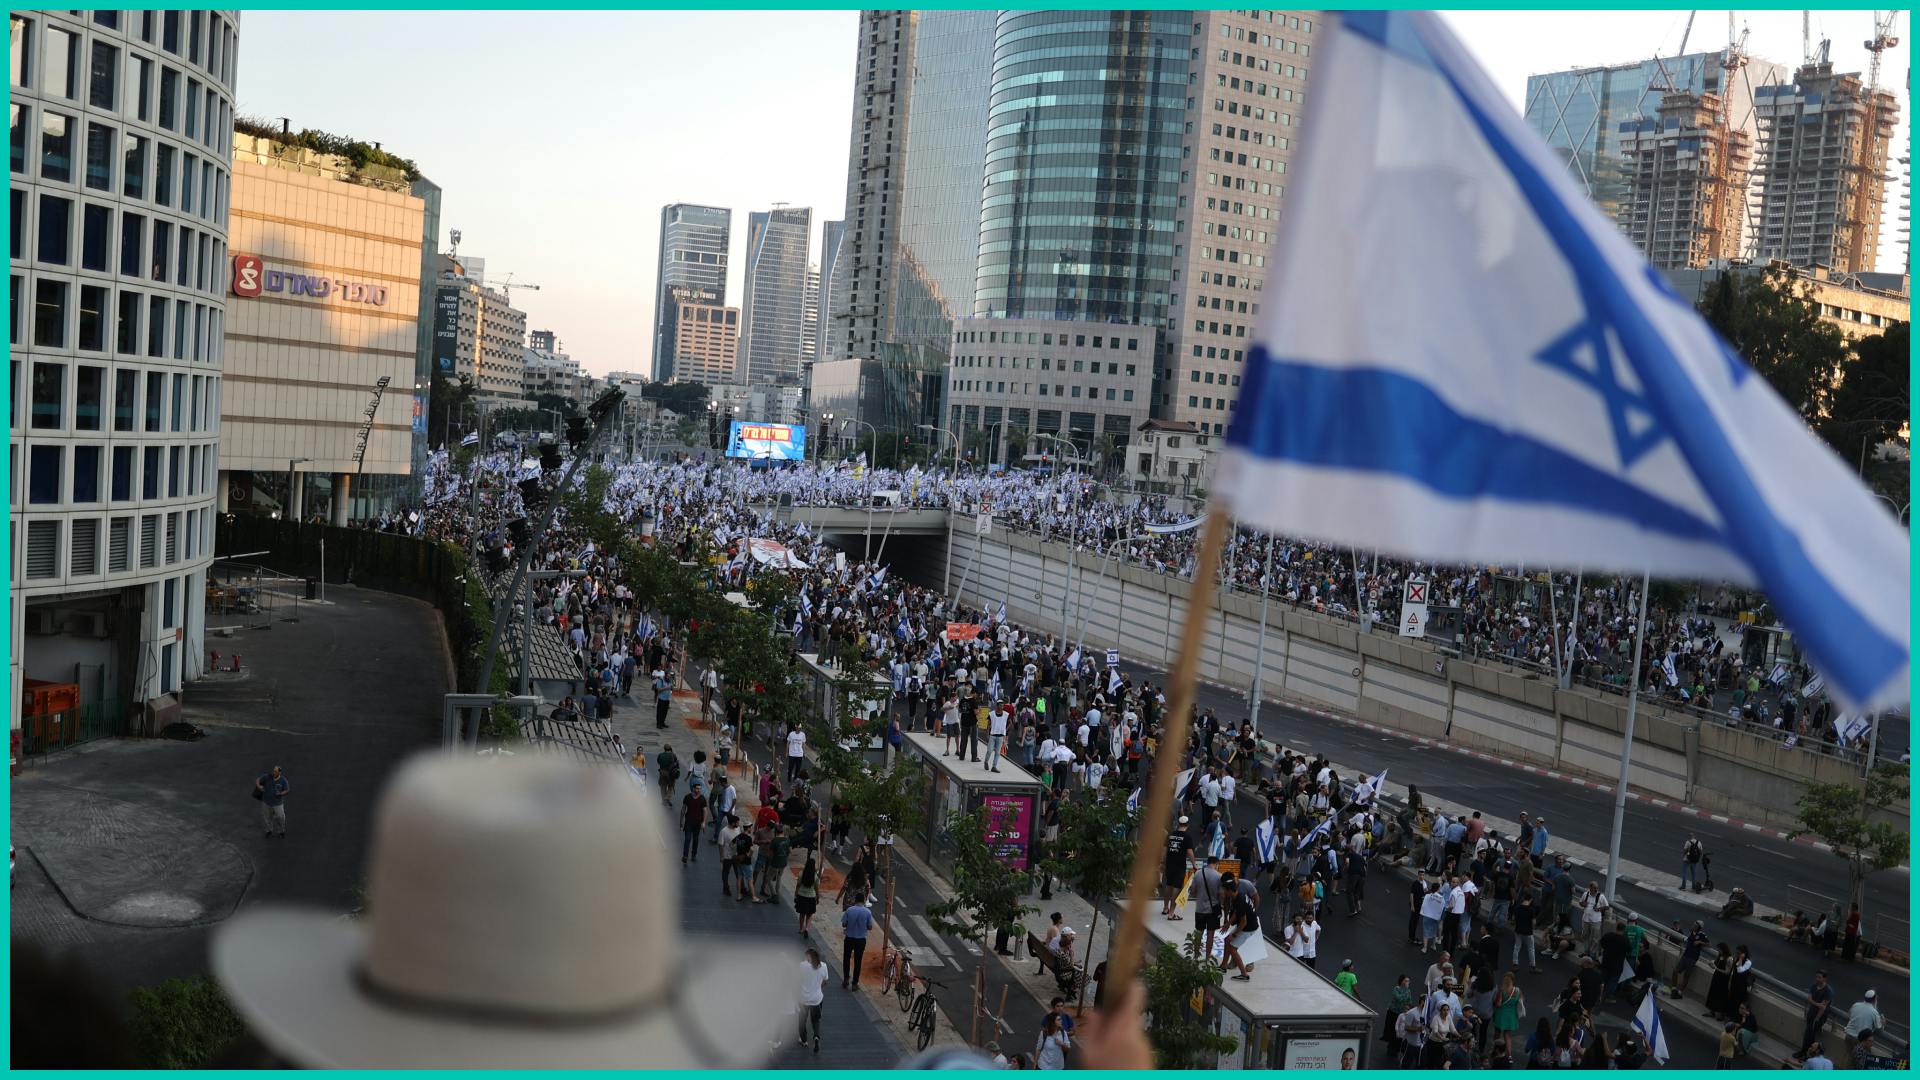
(1461, 359)
(1266, 837)
(1133, 801)
(1646, 1024)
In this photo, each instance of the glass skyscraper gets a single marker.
(1085, 119)
(773, 313)
(1579, 113)
(693, 254)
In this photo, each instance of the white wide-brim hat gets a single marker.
(522, 912)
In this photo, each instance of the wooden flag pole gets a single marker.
(1129, 938)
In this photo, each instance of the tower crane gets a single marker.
(1871, 165)
(507, 286)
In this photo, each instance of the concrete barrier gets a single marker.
(1394, 682)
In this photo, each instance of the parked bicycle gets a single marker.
(896, 975)
(920, 1015)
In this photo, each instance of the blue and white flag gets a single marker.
(901, 630)
(1174, 527)
(1133, 801)
(1001, 616)
(1646, 1024)
(1073, 659)
(472, 439)
(1266, 837)
(1317, 832)
(1462, 360)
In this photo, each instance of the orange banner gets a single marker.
(962, 631)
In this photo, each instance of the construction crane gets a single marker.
(506, 287)
(1871, 170)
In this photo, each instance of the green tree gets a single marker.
(1852, 819)
(183, 1023)
(886, 802)
(1179, 1039)
(685, 398)
(1874, 398)
(1094, 853)
(988, 895)
(450, 412)
(1770, 320)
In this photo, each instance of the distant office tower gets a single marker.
(693, 253)
(905, 268)
(1581, 113)
(1122, 257)
(1687, 175)
(832, 278)
(1823, 168)
(706, 338)
(773, 312)
(810, 311)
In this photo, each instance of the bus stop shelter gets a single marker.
(870, 722)
(1288, 1016)
(958, 786)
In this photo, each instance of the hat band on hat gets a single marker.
(510, 1016)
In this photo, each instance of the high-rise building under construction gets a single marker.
(1823, 168)
(1686, 174)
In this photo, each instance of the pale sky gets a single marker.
(557, 136)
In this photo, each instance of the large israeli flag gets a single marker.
(1461, 359)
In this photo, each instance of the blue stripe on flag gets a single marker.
(1309, 413)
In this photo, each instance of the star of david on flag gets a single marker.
(1461, 359)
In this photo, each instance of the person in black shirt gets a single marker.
(1525, 912)
(1613, 954)
(1415, 892)
(1174, 870)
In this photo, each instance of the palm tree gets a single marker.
(1107, 446)
(1016, 445)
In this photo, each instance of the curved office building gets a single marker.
(1083, 162)
(122, 126)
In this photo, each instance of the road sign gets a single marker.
(1413, 611)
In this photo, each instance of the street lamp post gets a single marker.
(866, 550)
(946, 577)
(1073, 543)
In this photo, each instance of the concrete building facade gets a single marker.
(1687, 182)
(1823, 168)
(325, 303)
(1857, 305)
(693, 253)
(120, 185)
(773, 311)
(832, 280)
(481, 332)
(1242, 135)
(876, 153)
(1088, 383)
(706, 338)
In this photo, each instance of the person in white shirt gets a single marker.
(996, 736)
(1096, 773)
(1312, 957)
(1228, 786)
(1084, 734)
(1093, 716)
(1210, 792)
(796, 753)
(813, 995)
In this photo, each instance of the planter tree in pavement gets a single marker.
(1094, 854)
(1852, 818)
(886, 803)
(987, 893)
(1174, 978)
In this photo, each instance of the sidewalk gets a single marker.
(855, 1032)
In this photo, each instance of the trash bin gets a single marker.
(313, 588)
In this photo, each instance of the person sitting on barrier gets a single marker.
(1738, 906)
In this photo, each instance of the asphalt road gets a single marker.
(1771, 870)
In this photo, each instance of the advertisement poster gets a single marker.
(1321, 1054)
(962, 631)
(1009, 828)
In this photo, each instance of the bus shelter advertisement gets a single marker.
(1009, 828)
(767, 442)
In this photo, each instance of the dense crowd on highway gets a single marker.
(1696, 655)
(1009, 696)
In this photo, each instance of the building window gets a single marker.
(96, 221)
(120, 542)
(125, 385)
(122, 490)
(150, 473)
(17, 136)
(156, 399)
(133, 178)
(86, 474)
(93, 318)
(86, 545)
(50, 314)
(43, 549)
(56, 146)
(21, 32)
(56, 226)
(62, 61)
(103, 79)
(43, 474)
(99, 157)
(149, 540)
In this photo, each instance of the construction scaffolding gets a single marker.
(1823, 168)
(1687, 174)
